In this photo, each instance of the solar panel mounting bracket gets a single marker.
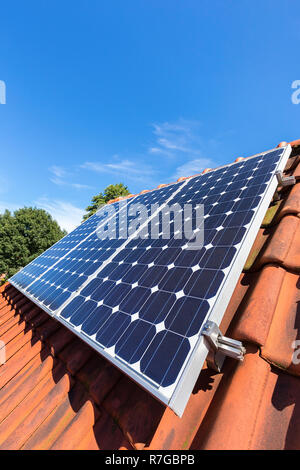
(285, 180)
(221, 346)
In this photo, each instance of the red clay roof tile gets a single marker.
(21, 385)
(77, 429)
(49, 431)
(125, 403)
(173, 433)
(292, 202)
(252, 410)
(75, 355)
(282, 247)
(284, 329)
(255, 314)
(35, 418)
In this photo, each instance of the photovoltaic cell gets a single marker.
(142, 302)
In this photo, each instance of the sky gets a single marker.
(140, 92)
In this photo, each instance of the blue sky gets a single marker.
(139, 92)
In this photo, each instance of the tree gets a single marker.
(24, 235)
(110, 192)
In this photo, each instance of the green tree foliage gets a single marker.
(110, 192)
(24, 235)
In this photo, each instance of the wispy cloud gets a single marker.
(58, 171)
(60, 177)
(9, 206)
(66, 214)
(174, 138)
(182, 143)
(133, 170)
(192, 167)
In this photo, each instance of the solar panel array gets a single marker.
(142, 302)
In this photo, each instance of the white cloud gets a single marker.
(59, 178)
(175, 138)
(58, 171)
(130, 169)
(193, 167)
(172, 144)
(160, 151)
(81, 186)
(9, 206)
(66, 214)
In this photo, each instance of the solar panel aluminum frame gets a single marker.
(177, 395)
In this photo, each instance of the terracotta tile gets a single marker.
(31, 313)
(10, 293)
(255, 313)
(75, 355)
(14, 308)
(285, 326)
(47, 328)
(22, 385)
(5, 287)
(78, 396)
(24, 305)
(29, 403)
(19, 360)
(18, 380)
(58, 420)
(292, 203)
(107, 435)
(16, 323)
(125, 402)
(50, 430)
(292, 162)
(90, 371)
(257, 409)
(283, 246)
(77, 429)
(6, 309)
(12, 302)
(38, 414)
(173, 433)
(39, 319)
(88, 442)
(17, 343)
(8, 316)
(278, 423)
(231, 419)
(295, 143)
(296, 171)
(10, 324)
(106, 379)
(58, 340)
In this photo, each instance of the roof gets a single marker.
(57, 393)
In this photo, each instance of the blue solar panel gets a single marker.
(142, 302)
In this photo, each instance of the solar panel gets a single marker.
(141, 301)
